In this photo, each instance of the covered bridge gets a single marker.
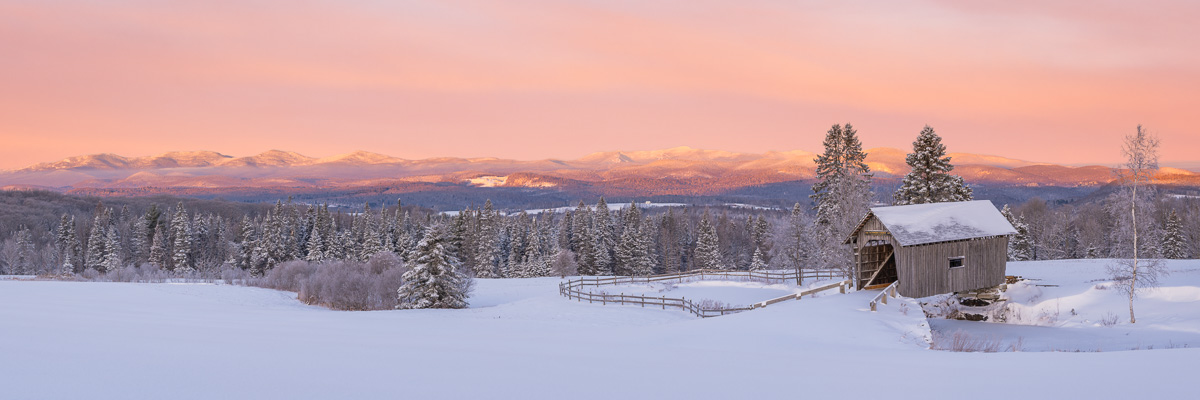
(932, 248)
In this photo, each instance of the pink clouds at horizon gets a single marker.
(558, 79)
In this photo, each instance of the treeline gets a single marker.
(592, 239)
(1169, 229)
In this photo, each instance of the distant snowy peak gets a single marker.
(175, 159)
(360, 158)
(272, 158)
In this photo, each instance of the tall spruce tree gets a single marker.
(842, 194)
(434, 280)
(756, 262)
(487, 232)
(1174, 244)
(181, 246)
(642, 259)
(1020, 246)
(708, 249)
(930, 180)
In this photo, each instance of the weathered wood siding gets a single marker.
(925, 270)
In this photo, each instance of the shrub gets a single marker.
(340, 285)
(964, 342)
(287, 276)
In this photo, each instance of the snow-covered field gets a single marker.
(1070, 305)
(521, 340)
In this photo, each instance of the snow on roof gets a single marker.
(942, 222)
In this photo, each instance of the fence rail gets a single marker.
(889, 291)
(573, 289)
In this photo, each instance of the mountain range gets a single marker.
(680, 171)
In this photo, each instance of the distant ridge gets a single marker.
(679, 170)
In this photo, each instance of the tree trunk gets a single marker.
(1133, 279)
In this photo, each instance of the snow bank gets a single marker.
(1070, 305)
(519, 340)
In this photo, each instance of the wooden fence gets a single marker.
(573, 289)
(889, 291)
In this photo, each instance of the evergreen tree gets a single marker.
(669, 238)
(71, 248)
(158, 249)
(1174, 244)
(604, 236)
(842, 194)
(182, 243)
(1020, 246)
(316, 251)
(95, 256)
(434, 280)
(487, 258)
(64, 239)
(23, 264)
(112, 253)
(641, 259)
(626, 251)
(585, 242)
(708, 249)
(930, 180)
(372, 238)
(756, 262)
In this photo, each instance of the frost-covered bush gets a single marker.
(234, 275)
(89, 274)
(340, 285)
(287, 276)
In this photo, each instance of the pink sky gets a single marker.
(559, 79)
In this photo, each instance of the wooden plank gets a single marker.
(880, 267)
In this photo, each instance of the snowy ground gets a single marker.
(520, 340)
(1070, 305)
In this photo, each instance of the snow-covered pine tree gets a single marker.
(158, 249)
(762, 237)
(69, 250)
(756, 262)
(139, 240)
(626, 251)
(62, 244)
(316, 251)
(372, 235)
(182, 245)
(434, 280)
(95, 255)
(842, 195)
(669, 242)
(112, 251)
(486, 235)
(1020, 246)
(708, 249)
(605, 239)
(1174, 244)
(23, 263)
(405, 241)
(642, 260)
(585, 242)
(930, 180)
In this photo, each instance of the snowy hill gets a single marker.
(521, 340)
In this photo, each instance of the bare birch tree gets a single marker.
(1136, 175)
